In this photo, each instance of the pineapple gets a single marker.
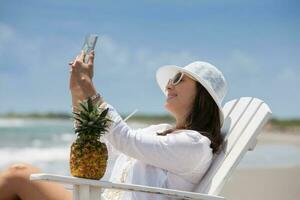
(88, 157)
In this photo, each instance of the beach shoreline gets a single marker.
(289, 138)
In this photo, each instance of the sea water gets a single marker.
(46, 144)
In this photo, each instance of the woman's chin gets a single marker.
(168, 106)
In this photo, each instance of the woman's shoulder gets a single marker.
(190, 135)
(197, 140)
(195, 136)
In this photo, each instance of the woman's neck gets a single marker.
(180, 122)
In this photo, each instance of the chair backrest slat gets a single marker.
(244, 119)
(251, 107)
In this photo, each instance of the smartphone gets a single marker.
(89, 45)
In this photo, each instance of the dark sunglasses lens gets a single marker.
(177, 78)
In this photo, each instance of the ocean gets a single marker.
(46, 145)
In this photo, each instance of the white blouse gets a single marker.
(175, 161)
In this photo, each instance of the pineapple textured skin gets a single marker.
(88, 160)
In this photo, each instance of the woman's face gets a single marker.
(180, 97)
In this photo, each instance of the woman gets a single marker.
(159, 155)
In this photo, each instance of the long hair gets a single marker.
(204, 118)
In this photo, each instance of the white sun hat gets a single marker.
(205, 73)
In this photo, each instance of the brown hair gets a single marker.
(204, 118)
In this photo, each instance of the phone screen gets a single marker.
(89, 44)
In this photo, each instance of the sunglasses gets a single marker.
(177, 78)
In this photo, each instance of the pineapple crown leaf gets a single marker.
(104, 113)
(90, 105)
(78, 119)
(82, 114)
(83, 106)
(75, 113)
(92, 121)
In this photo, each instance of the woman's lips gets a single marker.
(170, 96)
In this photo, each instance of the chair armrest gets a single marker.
(121, 186)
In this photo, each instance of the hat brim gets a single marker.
(165, 73)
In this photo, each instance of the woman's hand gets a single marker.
(81, 69)
(85, 68)
(81, 75)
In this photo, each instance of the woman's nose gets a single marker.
(169, 85)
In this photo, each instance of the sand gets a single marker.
(266, 183)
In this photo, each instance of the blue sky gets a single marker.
(255, 44)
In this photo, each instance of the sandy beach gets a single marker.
(266, 183)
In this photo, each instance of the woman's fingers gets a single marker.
(91, 63)
(75, 63)
(80, 68)
(75, 68)
(91, 58)
(82, 56)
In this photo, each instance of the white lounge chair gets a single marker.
(244, 119)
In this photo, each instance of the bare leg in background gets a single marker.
(15, 185)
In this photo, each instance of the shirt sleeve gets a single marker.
(179, 153)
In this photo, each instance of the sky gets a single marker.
(256, 44)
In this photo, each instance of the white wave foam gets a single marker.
(12, 122)
(31, 155)
(67, 137)
(18, 122)
(63, 138)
